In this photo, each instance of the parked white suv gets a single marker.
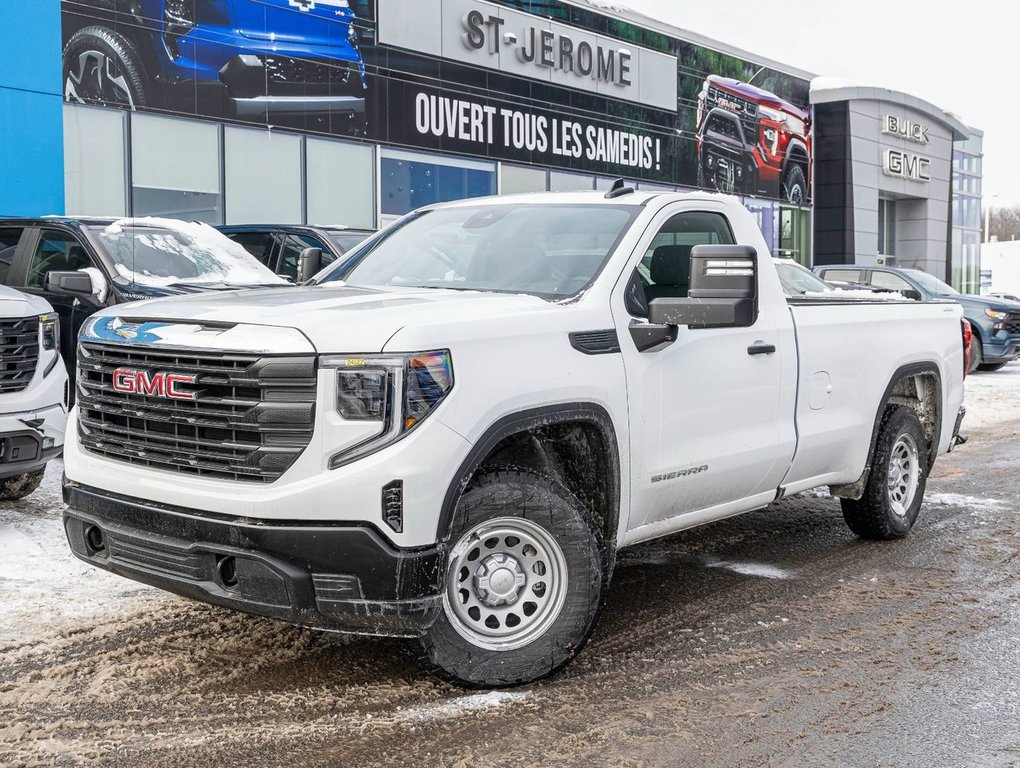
(33, 392)
(452, 434)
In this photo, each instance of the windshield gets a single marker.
(164, 252)
(552, 251)
(932, 284)
(798, 280)
(348, 240)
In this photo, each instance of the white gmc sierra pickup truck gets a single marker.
(33, 392)
(449, 437)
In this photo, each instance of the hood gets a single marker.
(15, 304)
(986, 302)
(757, 95)
(302, 22)
(335, 318)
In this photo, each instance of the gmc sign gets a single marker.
(159, 384)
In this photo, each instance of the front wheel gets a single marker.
(19, 486)
(977, 355)
(102, 67)
(523, 583)
(899, 471)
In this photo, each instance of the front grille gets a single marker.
(19, 353)
(285, 74)
(251, 418)
(746, 109)
(1012, 323)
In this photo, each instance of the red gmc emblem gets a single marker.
(160, 384)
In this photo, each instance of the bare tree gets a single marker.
(1003, 224)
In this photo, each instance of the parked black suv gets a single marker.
(279, 247)
(81, 265)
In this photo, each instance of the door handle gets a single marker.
(761, 348)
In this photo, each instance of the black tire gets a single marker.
(875, 515)
(795, 185)
(19, 486)
(977, 356)
(517, 494)
(992, 366)
(103, 67)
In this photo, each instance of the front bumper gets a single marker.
(29, 440)
(1001, 353)
(260, 107)
(332, 577)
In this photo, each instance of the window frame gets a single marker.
(29, 246)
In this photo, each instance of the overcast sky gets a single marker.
(961, 55)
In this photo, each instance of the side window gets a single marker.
(56, 252)
(9, 237)
(665, 270)
(292, 247)
(889, 280)
(258, 244)
(843, 276)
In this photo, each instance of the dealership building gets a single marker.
(356, 112)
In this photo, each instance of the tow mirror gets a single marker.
(80, 285)
(723, 293)
(309, 264)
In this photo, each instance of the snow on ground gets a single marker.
(43, 588)
(985, 406)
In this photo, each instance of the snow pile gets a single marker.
(43, 587)
(196, 252)
(760, 570)
(854, 293)
(460, 706)
(988, 397)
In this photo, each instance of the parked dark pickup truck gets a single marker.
(81, 265)
(996, 322)
(279, 246)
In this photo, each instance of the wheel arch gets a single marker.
(573, 443)
(917, 386)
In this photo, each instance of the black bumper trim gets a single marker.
(39, 457)
(333, 577)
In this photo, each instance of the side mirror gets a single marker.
(723, 291)
(309, 264)
(80, 285)
(912, 294)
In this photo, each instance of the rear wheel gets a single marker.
(895, 489)
(19, 486)
(523, 584)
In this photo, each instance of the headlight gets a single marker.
(49, 332)
(397, 391)
(772, 114)
(996, 315)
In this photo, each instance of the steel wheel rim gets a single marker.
(97, 79)
(904, 473)
(506, 583)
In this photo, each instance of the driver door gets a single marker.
(56, 250)
(704, 410)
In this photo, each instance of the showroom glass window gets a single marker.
(95, 169)
(175, 169)
(411, 180)
(340, 183)
(263, 176)
(886, 228)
